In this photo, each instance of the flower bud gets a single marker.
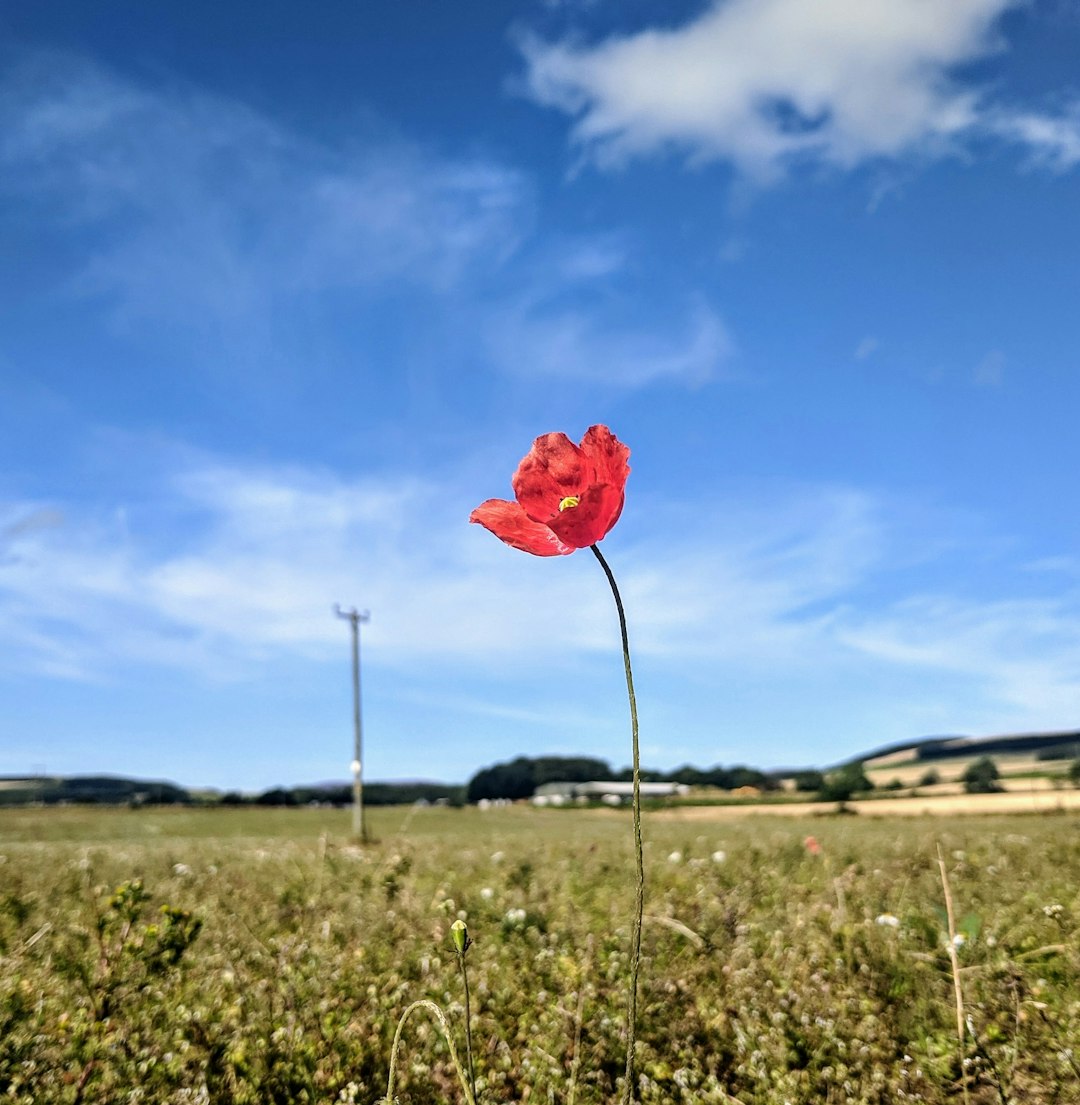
(459, 932)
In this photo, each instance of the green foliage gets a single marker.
(842, 785)
(1074, 773)
(519, 778)
(804, 978)
(277, 796)
(94, 790)
(726, 778)
(930, 778)
(981, 776)
(809, 782)
(1059, 752)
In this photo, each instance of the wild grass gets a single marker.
(771, 975)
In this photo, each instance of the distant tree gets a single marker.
(232, 798)
(511, 780)
(842, 785)
(568, 769)
(402, 794)
(277, 796)
(1074, 773)
(894, 784)
(1059, 752)
(981, 776)
(741, 776)
(930, 778)
(690, 776)
(809, 781)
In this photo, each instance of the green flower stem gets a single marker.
(468, 1022)
(635, 950)
(424, 1003)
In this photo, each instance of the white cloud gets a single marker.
(1024, 655)
(1052, 141)
(572, 343)
(866, 348)
(196, 210)
(809, 585)
(990, 371)
(254, 560)
(760, 83)
(240, 235)
(753, 586)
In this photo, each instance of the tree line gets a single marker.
(522, 777)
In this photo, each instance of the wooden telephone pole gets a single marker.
(354, 618)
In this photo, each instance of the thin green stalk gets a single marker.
(635, 949)
(468, 1023)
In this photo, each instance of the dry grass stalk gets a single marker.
(955, 961)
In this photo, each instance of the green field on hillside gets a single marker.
(260, 956)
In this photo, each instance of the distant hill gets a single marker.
(943, 748)
(113, 790)
(520, 777)
(118, 790)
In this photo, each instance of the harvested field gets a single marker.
(1042, 799)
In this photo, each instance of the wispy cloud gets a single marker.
(1023, 655)
(1051, 141)
(807, 584)
(201, 209)
(866, 348)
(763, 83)
(245, 241)
(571, 343)
(990, 371)
(239, 567)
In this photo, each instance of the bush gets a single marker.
(981, 777)
(844, 784)
(930, 778)
(809, 781)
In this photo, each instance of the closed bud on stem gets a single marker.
(459, 932)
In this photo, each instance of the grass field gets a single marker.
(260, 956)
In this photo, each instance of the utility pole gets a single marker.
(354, 618)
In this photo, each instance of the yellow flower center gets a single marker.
(568, 502)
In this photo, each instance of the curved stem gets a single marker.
(424, 1003)
(635, 950)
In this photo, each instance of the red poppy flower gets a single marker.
(568, 496)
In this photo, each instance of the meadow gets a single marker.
(261, 956)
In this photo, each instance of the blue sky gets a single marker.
(286, 291)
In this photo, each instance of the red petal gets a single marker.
(511, 524)
(585, 524)
(554, 469)
(608, 456)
